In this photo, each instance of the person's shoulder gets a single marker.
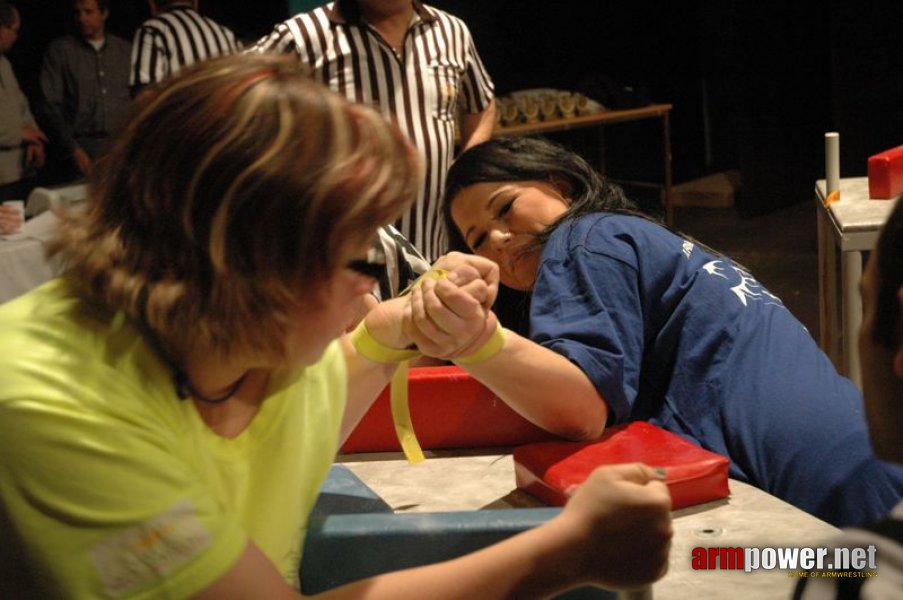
(613, 224)
(62, 40)
(305, 19)
(612, 234)
(443, 15)
(156, 22)
(61, 45)
(223, 27)
(116, 41)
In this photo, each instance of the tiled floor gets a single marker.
(780, 249)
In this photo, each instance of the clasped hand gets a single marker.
(452, 316)
(444, 318)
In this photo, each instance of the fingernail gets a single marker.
(661, 472)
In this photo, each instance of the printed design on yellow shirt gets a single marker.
(148, 551)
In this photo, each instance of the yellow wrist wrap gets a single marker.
(369, 347)
(492, 347)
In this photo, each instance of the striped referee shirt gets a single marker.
(177, 37)
(437, 73)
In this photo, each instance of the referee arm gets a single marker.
(477, 127)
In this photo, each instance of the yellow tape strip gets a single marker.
(371, 348)
(434, 274)
(399, 401)
(401, 415)
(398, 391)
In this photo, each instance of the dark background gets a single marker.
(755, 85)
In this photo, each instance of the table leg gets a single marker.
(851, 267)
(827, 288)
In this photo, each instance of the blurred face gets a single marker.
(882, 375)
(89, 19)
(498, 220)
(10, 33)
(328, 309)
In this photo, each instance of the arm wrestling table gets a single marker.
(474, 480)
(851, 226)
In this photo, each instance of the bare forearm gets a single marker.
(615, 531)
(545, 388)
(477, 127)
(366, 379)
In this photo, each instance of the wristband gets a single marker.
(371, 348)
(492, 347)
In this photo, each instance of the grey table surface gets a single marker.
(484, 480)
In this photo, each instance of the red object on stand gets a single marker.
(449, 409)
(549, 470)
(886, 174)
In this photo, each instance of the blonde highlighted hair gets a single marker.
(233, 190)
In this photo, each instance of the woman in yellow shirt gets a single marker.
(170, 406)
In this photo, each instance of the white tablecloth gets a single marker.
(23, 264)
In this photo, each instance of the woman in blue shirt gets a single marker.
(656, 327)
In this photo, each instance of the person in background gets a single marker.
(21, 140)
(85, 86)
(418, 65)
(881, 360)
(11, 219)
(401, 265)
(176, 36)
(630, 320)
(171, 405)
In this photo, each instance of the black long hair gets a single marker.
(533, 158)
(527, 158)
(521, 159)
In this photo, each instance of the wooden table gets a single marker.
(599, 121)
(851, 226)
